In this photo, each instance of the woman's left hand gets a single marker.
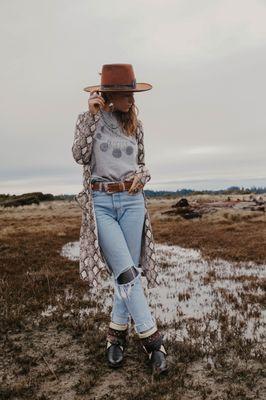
(136, 185)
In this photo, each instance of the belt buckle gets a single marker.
(108, 191)
(122, 186)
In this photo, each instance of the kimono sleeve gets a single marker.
(142, 170)
(83, 136)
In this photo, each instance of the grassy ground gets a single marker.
(61, 355)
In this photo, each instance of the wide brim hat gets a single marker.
(118, 78)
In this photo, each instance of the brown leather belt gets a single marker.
(111, 187)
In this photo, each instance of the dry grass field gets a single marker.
(211, 309)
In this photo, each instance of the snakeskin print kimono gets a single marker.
(92, 264)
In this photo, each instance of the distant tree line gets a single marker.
(189, 192)
(7, 200)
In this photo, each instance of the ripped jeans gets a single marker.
(120, 219)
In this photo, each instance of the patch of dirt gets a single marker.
(62, 355)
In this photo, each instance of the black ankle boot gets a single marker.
(153, 346)
(116, 343)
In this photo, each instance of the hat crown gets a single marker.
(116, 75)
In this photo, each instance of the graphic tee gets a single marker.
(114, 154)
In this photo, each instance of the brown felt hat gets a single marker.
(118, 78)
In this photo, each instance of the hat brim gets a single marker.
(140, 87)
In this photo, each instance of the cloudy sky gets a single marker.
(204, 120)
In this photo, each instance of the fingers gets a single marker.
(94, 91)
(95, 97)
(133, 186)
(95, 94)
(136, 186)
(96, 100)
(134, 190)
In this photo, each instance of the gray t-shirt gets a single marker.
(114, 154)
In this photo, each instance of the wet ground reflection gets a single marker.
(195, 292)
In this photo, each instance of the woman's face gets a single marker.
(122, 100)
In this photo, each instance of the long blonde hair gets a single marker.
(128, 120)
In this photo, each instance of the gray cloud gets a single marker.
(204, 118)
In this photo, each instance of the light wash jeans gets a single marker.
(120, 219)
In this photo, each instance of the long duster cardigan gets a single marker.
(92, 265)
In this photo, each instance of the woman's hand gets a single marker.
(136, 185)
(95, 101)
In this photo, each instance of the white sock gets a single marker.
(118, 327)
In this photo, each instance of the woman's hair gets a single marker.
(128, 120)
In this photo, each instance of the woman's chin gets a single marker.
(125, 110)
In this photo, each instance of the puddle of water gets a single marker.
(71, 251)
(192, 287)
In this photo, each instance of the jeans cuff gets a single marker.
(118, 327)
(148, 332)
(144, 327)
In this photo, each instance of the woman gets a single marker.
(112, 152)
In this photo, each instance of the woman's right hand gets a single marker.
(95, 101)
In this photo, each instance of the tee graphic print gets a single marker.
(114, 154)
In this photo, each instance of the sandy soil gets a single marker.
(53, 329)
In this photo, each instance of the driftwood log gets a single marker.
(196, 210)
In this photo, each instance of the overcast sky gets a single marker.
(204, 120)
